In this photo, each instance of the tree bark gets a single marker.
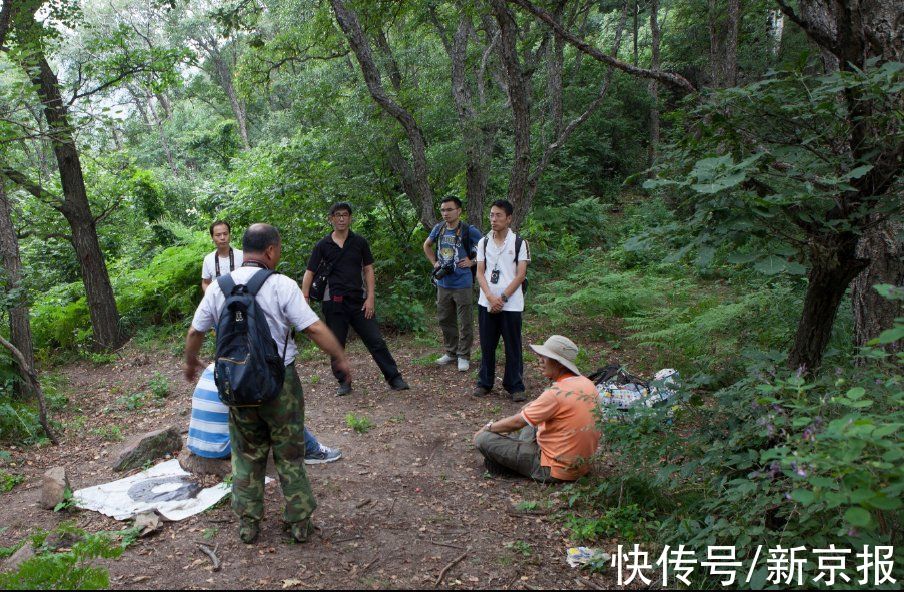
(224, 74)
(76, 209)
(423, 198)
(723, 42)
(881, 245)
(19, 325)
(32, 381)
(519, 99)
(833, 265)
(654, 85)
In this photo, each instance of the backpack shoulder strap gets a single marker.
(227, 284)
(518, 242)
(257, 280)
(486, 239)
(466, 238)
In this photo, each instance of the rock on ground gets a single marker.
(148, 447)
(53, 490)
(13, 562)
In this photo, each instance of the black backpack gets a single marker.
(465, 242)
(248, 370)
(518, 242)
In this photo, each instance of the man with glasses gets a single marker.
(452, 249)
(502, 259)
(343, 257)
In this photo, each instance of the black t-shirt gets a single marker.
(347, 277)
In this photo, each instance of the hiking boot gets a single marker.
(323, 455)
(398, 384)
(480, 391)
(249, 530)
(301, 530)
(518, 397)
(445, 360)
(344, 389)
(463, 364)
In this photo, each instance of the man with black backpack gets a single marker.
(502, 258)
(452, 249)
(255, 311)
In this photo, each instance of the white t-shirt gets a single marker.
(502, 258)
(281, 300)
(209, 269)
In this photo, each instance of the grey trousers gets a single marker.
(454, 313)
(518, 452)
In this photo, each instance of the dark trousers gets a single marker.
(340, 315)
(493, 326)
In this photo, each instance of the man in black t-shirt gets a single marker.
(346, 300)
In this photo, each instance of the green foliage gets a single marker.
(67, 568)
(627, 523)
(159, 385)
(9, 480)
(360, 424)
(110, 433)
(520, 547)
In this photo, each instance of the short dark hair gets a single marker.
(218, 223)
(451, 198)
(505, 205)
(341, 205)
(258, 237)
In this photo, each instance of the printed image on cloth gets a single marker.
(166, 488)
(208, 430)
(448, 247)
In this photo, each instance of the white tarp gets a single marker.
(166, 488)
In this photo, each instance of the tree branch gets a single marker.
(29, 186)
(671, 78)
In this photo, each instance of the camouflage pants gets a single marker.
(254, 430)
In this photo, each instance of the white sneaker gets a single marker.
(445, 360)
(463, 364)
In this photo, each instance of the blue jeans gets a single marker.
(311, 445)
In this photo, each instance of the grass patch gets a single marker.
(358, 423)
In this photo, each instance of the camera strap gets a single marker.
(216, 262)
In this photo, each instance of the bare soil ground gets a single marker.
(408, 499)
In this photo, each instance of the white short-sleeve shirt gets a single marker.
(502, 258)
(280, 299)
(209, 269)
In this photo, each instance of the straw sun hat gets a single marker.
(561, 349)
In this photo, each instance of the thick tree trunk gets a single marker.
(833, 265)
(519, 99)
(723, 42)
(636, 16)
(19, 326)
(654, 85)
(872, 313)
(77, 211)
(422, 199)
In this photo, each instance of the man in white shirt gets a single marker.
(278, 423)
(224, 259)
(502, 259)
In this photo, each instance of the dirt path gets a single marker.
(408, 498)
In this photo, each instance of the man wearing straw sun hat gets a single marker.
(552, 438)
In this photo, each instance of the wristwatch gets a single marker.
(504, 298)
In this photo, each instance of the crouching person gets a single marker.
(277, 422)
(554, 437)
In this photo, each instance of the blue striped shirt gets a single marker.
(208, 430)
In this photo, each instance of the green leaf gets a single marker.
(858, 172)
(771, 265)
(858, 517)
(804, 496)
(856, 392)
(889, 336)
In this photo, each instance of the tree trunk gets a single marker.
(654, 85)
(238, 108)
(833, 265)
(636, 15)
(723, 42)
(872, 313)
(519, 98)
(77, 211)
(423, 198)
(19, 326)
